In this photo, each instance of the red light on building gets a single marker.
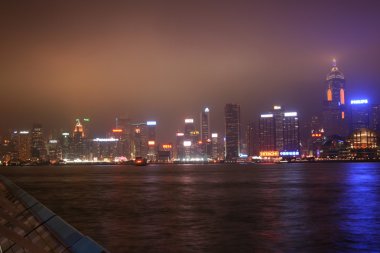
(117, 130)
(316, 135)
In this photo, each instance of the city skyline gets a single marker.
(164, 137)
(95, 59)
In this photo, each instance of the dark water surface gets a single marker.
(215, 208)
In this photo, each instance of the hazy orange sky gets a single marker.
(165, 60)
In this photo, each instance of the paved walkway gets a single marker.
(28, 226)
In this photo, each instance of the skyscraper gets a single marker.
(152, 141)
(38, 143)
(125, 134)
(279, 133)
(205, 125)
(179, 146)
(334, 109)
(139, 145)
(232, 124)
(22, 145)
(360, 114)
(267, 132)
(375, 118)
(189, 128)
(278, 117)
(291, 136)
(205, 133)
(78, 144)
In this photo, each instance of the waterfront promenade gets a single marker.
(28, 226)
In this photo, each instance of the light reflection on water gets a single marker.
(360, 205)
(215, 208)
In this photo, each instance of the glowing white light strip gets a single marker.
(105, 140)
(290, 114)
(359, 101)
(151, 123)
(266, 115)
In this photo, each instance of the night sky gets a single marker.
(165, 60)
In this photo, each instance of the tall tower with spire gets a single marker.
(334, 109)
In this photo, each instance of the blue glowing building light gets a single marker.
(359, 101)
(289, 153)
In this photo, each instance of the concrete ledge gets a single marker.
(65, 234)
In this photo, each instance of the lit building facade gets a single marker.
(104, 149)
(139, 146)
(21, 141)
(232, 130)
(375, 118)
(291, 133)
(278, 117)
(316, 137)
(217, 144)
(78, 145)
(125, 134)
(38, 150)
(205, 125)
(152, 140)
(360, 114)
(364, 143)
(205, 132)
(267, 132)
(179, 153)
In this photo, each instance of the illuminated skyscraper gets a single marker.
(360, 114)
(205, 132)
(232, 124)
(22, 145)
(78, 144)
(86, 127)
(279, 133)
(278, 117)
(217, 144)
(375, 118)
(179, 147)
(38, 143)
(291, 136)
(189, 128)
(152, 141)
(125, 131)
(334, 111)
(267, 132)
(253, 138)
(205, 125)
(139, 141)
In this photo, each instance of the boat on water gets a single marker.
(140, 161)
